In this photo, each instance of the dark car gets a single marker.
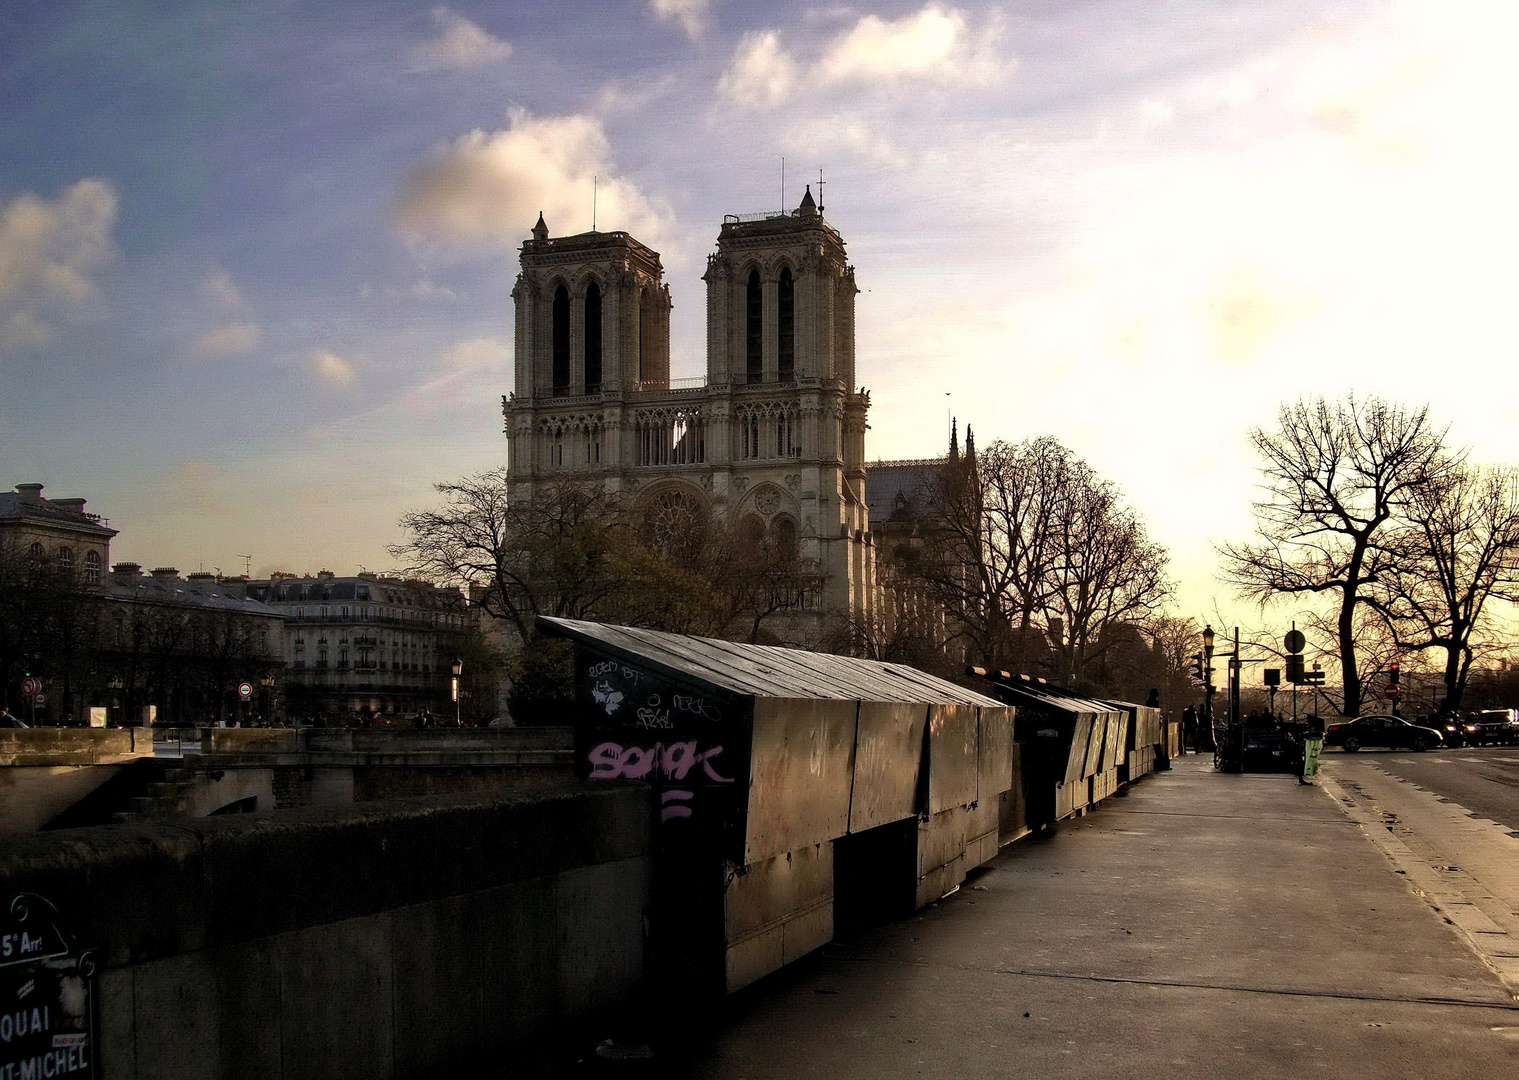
(1388, 731)
(1495, 726)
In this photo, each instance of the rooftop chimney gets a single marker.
(73, 506)
(30, 493)
(164, 573)
(127, 570)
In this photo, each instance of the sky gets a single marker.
(256, 257)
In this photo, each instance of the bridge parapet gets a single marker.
(409, 938)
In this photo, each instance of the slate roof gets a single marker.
(885, 480)
(205, 595)
(766, 671)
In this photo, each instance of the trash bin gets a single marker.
(1313, 746)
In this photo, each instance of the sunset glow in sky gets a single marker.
(255, 257)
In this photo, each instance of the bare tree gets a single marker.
(1458, 550)
(562, 552)
(1105, 571)
(1335, 475)
(1028, 547)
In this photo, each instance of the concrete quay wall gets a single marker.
(401, 939)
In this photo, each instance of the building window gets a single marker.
(92, 568)
(66, 559)
(561, 340)
(786, 310)
(593, 339)
(754, 324)
(37, 551)
(785, 538)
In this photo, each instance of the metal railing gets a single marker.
(763, 215)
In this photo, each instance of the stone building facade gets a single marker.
(772, 439)
(369, 646)
(57, 529)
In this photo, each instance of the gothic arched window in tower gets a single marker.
(646, 358)
(785, 538)
(786, 312)
(754, 328)
(593, 339)
(561, 371)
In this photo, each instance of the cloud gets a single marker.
(427, 290)
(49, 254)
(691, 14)
(762, 71)
(479, 352)
(460, 45)
(332, 368)
(490, 186)
(935, 45)
(1153, 114)
(219, 287)
(228, 339)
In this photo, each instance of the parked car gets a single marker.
(1493, 726)
(1392, 732)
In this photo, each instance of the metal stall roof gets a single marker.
(1038, 692)
(767, 671)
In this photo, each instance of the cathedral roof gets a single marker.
(892, 487)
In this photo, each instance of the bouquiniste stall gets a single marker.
(794, 788)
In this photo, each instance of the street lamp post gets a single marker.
(267, 682)
(458, 671)
(1208, 679)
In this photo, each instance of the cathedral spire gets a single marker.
(540, 230)
(954, 440)
(808, 208)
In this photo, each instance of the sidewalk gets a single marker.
(1202, 925)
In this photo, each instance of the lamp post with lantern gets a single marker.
(458, 671)
(1208, 681)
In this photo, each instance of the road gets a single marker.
(1483, 779)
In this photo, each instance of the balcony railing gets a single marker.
(697, 382)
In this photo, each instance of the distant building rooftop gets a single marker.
(27, 504)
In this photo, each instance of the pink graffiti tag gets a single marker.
(611, 761)
(672, 804)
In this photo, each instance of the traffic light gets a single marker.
(1392, 674)
(1197, 666)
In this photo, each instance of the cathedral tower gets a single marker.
(593, 314)
(772, 441)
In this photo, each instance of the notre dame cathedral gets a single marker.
(772, 439)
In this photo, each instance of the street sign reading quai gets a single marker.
(46, 1014)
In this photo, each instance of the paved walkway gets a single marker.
(1200, 925)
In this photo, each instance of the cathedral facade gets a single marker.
(771, 440)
